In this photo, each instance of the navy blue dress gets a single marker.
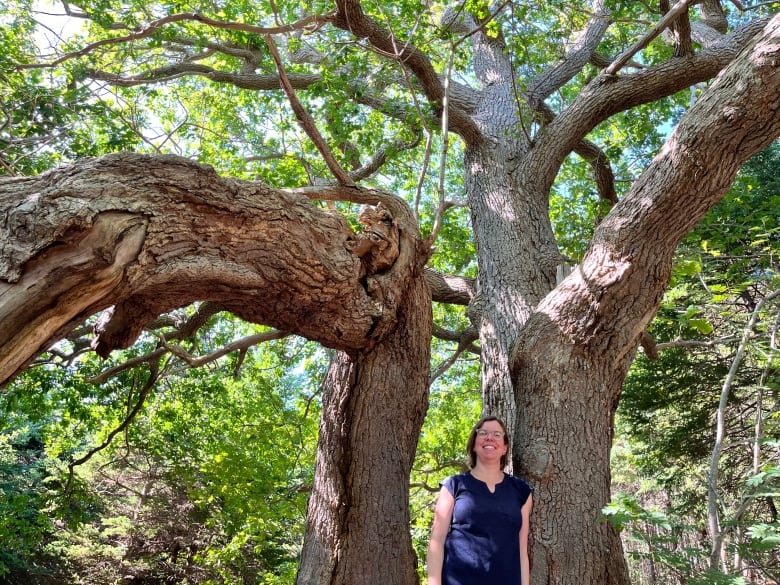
(483, 545)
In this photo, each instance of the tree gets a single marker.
(147, 234)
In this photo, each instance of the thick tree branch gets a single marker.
(608, 94)
(150, 234)
(350, 16)
(608, 293)
(577, 56)
(681, 33)
(455, 290)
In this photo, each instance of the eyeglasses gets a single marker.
(497, 435)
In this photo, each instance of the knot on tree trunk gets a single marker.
(377, 244)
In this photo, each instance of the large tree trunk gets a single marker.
(357, 528)
(374, 404)
(149, 234)
(566, 404)
(517, 251)
(573, 354)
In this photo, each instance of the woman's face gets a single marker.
(491, 443)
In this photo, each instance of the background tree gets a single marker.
(723, 287)
(149, 234)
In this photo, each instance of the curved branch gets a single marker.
(154, 372)
(602, 170)
(576, 57)
(605, 304)
(594, 156)
(149, 234)
(608, 94)
(308, 23)
(350, 17)
(238, 345)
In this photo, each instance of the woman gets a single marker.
(480, 524)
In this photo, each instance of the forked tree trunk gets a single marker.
(573, 354)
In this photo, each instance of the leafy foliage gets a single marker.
(667, 412)
(208, 483)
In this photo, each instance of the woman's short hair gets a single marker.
(472, 456)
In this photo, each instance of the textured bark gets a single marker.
(145, 235)
(373, 409)
(572, 356)
(374, 403)
(148, 234)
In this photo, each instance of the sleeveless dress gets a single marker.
(483, 545)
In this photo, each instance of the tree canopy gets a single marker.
(470, 206)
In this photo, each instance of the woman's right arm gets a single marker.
(442, 517)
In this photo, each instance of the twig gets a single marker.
(154, 372)
(308, 23)
(668, 18)
(744, 8)
(239, 344)
(307, 122)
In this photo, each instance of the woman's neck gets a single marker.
(487, 472)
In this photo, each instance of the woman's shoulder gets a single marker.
(453, 482)
(520, 484)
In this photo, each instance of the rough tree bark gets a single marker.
(572, 356)
(149, 234)
(145, 235)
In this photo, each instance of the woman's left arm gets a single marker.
(525, 511)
